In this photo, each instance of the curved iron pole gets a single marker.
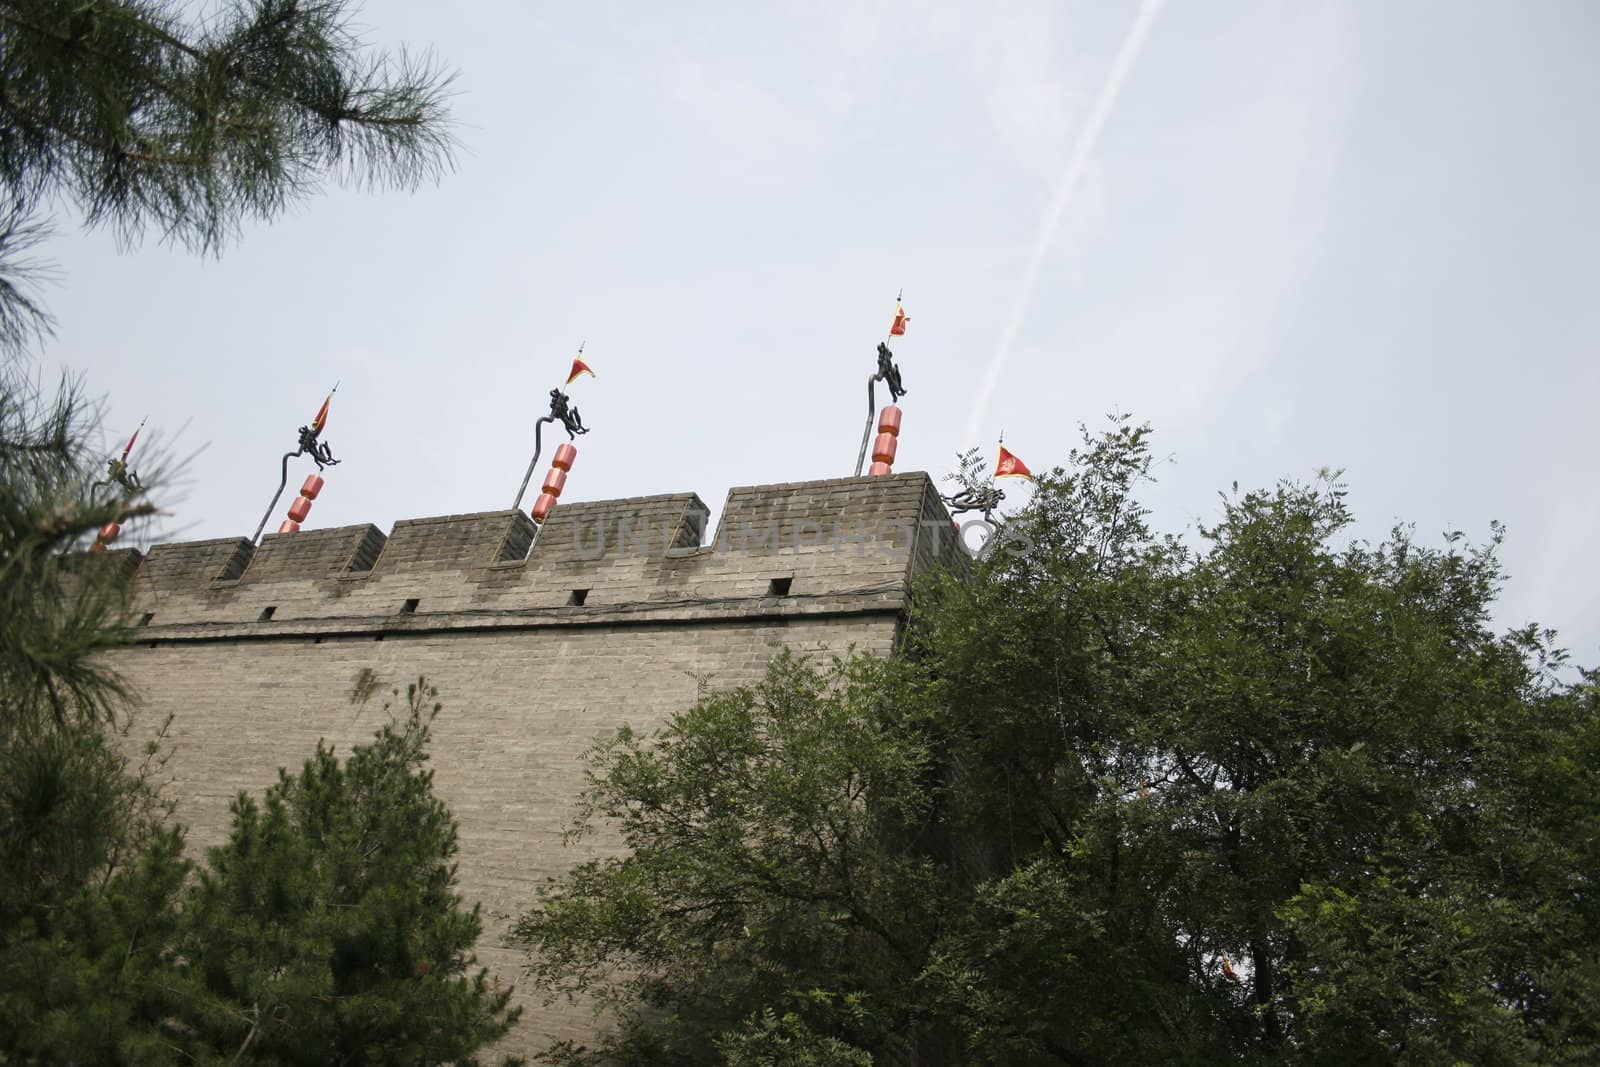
(538, 445)
(287, 456)
(866, 433)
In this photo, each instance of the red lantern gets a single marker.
(889, 420)
(880, 468)
(542, 507)
(299, 509)
(109, 531)
(564, 456)
(98, 546)
(555, 481)
(884, 447)
(289, 526)
(312, 487)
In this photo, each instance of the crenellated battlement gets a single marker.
(838, 545)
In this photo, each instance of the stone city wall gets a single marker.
(612, 615)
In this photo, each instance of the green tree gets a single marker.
(143, 117)
(328, 928)
(771, 897)
(1281, 797)
(139, 116)
(1292, 800)
(92, 982)
(88, 875)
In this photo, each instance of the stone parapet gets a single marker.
(801, 547)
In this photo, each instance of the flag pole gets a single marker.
(256, 537)
(129, 446)
(287, 456)
(538, 446)
(872, 401)
(866, 432)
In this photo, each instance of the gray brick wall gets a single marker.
(527, 678)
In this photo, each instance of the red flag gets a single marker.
(900, 320)
(322, 415)
(129, 446)
(578, 367)
(1009, 466)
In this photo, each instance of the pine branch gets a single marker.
(144, 121)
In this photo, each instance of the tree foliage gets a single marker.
(757, 876)
(70, 812)
(1283, 796)
(58, 610)
(328, 929)
(144, 117)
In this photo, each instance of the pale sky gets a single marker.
(1290, 236)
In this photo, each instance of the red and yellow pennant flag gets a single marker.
(322, 413)
(1009, 466)
(579, 366)
(898, 328)
(129, 446)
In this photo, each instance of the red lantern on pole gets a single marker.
(554, 481)
(300, 510)
(887, 442)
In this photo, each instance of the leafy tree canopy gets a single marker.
(1283, 796)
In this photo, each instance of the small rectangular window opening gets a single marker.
(144, 620)
(409, 607)
(266, 612)
(577, 598)
(779, 586)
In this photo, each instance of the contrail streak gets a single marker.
(1121, 67)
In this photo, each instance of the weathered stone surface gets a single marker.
(529, 672)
